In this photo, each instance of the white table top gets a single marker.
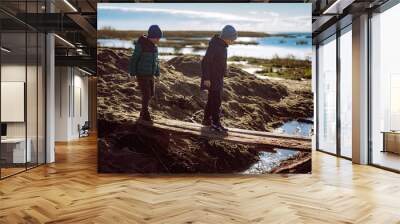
(13, 140)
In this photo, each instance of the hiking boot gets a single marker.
(145, 116)
(218, 127)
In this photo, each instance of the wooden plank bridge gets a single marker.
(266, 139)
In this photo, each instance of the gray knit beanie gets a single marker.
(228, 33)
(154, 32)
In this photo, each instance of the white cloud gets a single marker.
(262, 21)
(188, 13)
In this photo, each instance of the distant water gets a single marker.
(299, 41)
(269, 160)
(268, 47)
(115, 43)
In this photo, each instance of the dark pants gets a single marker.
(213, 106)
(146, 86)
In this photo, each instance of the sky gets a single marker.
(260, 17)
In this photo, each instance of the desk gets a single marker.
(13, 150)
(391, 141)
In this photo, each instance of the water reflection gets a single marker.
(269, 160)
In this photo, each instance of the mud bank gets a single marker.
(248, 103)
(130, 147)
(142, 149)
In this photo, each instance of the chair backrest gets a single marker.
(86, 125)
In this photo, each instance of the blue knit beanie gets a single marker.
(228, 33)
(154, 32)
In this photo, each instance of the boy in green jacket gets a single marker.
(144, 64)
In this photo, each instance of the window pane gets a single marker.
(327, 96)
(385, 84)
(346, 94)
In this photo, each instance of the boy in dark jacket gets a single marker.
(144, 64)
(214, 68)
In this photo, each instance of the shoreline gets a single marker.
(129, 34)
(230, 59)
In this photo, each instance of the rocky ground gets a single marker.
(248, 103)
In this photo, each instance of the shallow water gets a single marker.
(295, 128)
(269, 160)
(252, 69)
(267, 51)
(166, 57)
(245, 66)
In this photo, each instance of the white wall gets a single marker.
(70, 84)
(62, 81)
(80, 109)
(14, 73)
(33, 126)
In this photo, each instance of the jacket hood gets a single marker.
(216, 40)
(146, 44)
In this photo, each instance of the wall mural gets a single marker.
(204, 88)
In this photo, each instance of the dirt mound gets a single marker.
(248, 102)
(187, 65)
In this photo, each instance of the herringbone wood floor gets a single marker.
(71, 191)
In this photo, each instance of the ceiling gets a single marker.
(74, 22)
(215, 1)
(326, 13)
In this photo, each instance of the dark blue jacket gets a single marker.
(214, 63)
(144, 60)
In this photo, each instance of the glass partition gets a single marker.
(35, 49)
(22, 77)
(13, 94)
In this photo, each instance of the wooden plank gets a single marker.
(233, 130)
(266, 139)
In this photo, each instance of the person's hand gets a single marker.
(207, 83)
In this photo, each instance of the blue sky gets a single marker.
(261, 17)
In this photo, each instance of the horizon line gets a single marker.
(114, 29)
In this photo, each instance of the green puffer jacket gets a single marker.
(144, 60)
